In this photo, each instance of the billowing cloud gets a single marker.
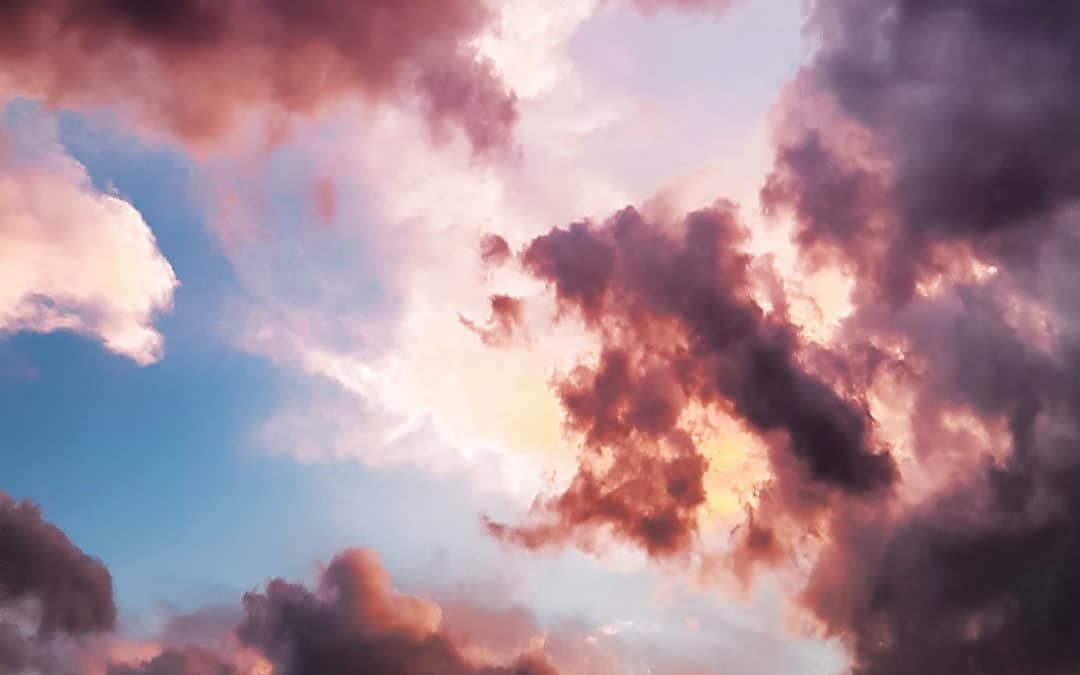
(71, 257)
(988, 91)
(679, 323)
(409, 222)
(199, 69)
(356, 622)
(49, 590)
(53, 597)
(922, 455)
(73, 590)
(927, 149)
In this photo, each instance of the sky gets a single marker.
(620, 337)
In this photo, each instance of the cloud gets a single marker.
(74, 591)
(679, 324)
(348, 619)
(989, 163)
(507, 315)
(71, 257)
(926, 149)
(49, 590)
(56, 607)
(373, 336)
(917, 452)
(185, 661)
(198, 70)
(356, 621)
(386, 326)
(494, 250)
(653, 6)
(920, 455)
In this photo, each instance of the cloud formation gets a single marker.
(198, 69)
(71, 257)
(923, 454)
(355, 622)
(352, 621)
(52, 595)
(184, 661)
(675, 310)
(927, 148)
(988, 91)
(49, 589)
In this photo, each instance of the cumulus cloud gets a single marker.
(199, 69)
(49, 590)
(71, 257)
(352, 620)
(679, 325)
(58, 617)
(925, 149)
(356, 622)
(989, 168)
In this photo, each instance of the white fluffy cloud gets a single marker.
(71, 257)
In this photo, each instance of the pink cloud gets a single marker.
(196, 69)
(73, 258)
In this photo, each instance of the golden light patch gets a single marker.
(737, 463)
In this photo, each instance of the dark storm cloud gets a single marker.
(924, 134)
(970, 107)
